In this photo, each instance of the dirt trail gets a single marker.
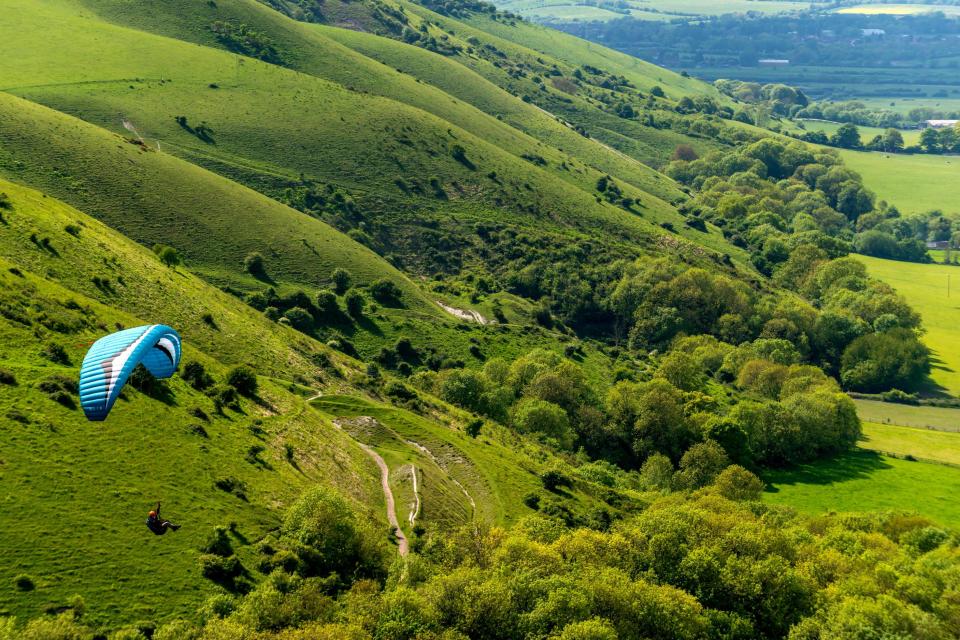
(437, 462)
(403, 546)
(464, 314)
(415, 507)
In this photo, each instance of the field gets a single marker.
(925, 288)
(928, 445)
(915, 183)
(867, 481)
(567, 11)
(920, 417)
(910, 136)
(905, 105)
(901, 9)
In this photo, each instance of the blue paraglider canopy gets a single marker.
(112, 359)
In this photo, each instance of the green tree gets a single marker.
(532, 415)
(341, 280)
(736, 483)
(892, 140)
(846, 137)
(700, 465)
(244, 380)
(355, 303)
(167, 255)
(882, 361)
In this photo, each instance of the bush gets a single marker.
(219, 569)
(880, 361)
(300, 319)
(900, 397)
(341, 281)
(473, 427)
(23, 582)
(167, 255)
(657, 472)
(532, 415)
(386, 292)
(327, 302)
(254, 265)
(7, 378)
(554, 479)
(244, 380)
(218, 543)
(56, 353)
(532, 500)
(232, 486)
(736, 483)
(355, 303)
(195, 374)
(700, 465)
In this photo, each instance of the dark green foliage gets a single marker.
(61, 389)
(167, 255)
(23, 582)
(532, 500)
(386, 292)
(218, 543)
(473, 427)
(244, 380)
(880, 361)
(327, 303)
(553, 480)
(341, 280)
(7, 378)
(355, 302)
(246, 40)
(255, 265)
(56, 353)
(195, 374)
(300, 319)
(232, 486)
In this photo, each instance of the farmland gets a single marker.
(914, 183)
(900, 9)
(558, 11)
(917, 416)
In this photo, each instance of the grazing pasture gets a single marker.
(914, 183)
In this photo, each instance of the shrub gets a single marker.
(341, 281)
(879, 361)
(327, 302)
(195, 374)
(7, 378)
(385, 291)
(532, 415)
(300, 319)
(56, 353)
(167, 255)
(232, 486)
(219, 569)
(73, 230)
(255, 265)
(23, 582)
(218, 543)
(554, 479)
(244, 380)
(355, 303)
(473, 427)
(736, 483)
(700, 465)
(399, 391)
(532, 500)
(657, 472)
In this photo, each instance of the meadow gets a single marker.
(914, 183)
(927, 445)
(861, 481)
(552, 11)
(925, 288)
(910, 136)
(901, 9)
(917, 416)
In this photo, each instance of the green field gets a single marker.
(867, 481)
(905, 105)
(915, 184)
(928, 445)
(910, 136)
(901, 9)
(568, 11)
(925, 288)
(921, 417)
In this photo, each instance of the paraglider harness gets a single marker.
(158, 525)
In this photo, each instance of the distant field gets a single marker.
(922, 444)
(571, 11)
(900, 9)
(915, 184)
(867, 481)
(905, 105)
(938, 418)
(910, 136)
(925, 288)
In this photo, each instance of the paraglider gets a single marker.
(112, 359)
(158, 525)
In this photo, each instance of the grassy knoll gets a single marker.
(867, 481)
(913, 183)
(921, 417)
(925, 288)
(928, 445)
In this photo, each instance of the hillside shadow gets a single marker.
(853, 465)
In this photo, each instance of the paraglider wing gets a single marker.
(112, 359)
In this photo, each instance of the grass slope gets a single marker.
(75, 493)
(925, 288)
(928, 445)
(921, 417)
